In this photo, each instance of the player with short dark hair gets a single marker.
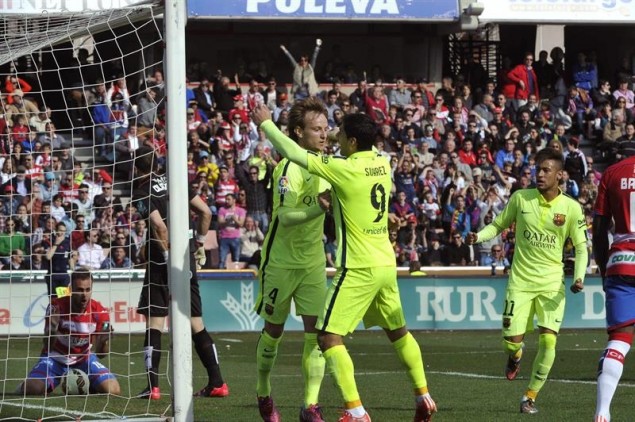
(617, 268)
(150, 197)
(545, 218)
(73, 324)
(365, 284)
(292, 262)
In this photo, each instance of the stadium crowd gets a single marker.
(456, 153)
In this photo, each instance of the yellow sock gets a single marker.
(409, 353)
(341, 366)
(543, 362)
(266, 353)
(312, 368)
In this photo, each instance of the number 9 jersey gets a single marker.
(362, 185)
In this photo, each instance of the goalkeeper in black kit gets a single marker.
(150, 197)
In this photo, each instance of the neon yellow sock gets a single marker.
(542, 363)
(266, 353)
(409, 353)
(312, 368)
(341, 366)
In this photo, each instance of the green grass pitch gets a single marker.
(464, 371)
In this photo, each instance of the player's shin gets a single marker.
(340, 365)
(206, 351)
(610, 370)
(266, 353)
(152, 355)
(313, 364)
(409, 354)
(542, 363)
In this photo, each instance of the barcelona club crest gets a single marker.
(559, 219)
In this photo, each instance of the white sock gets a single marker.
(610, 372)
(357, 412)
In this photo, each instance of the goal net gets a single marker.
(80, 91)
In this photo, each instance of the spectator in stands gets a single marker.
(601, 95)
(58, 259)
(584, 73)
(204, 97)
(17, 262)
(400, 95)
(20, 105)
(100, 113)
(39, 121)
(376, 105)
(230, 219)
(84, 203)
(256, 192)
(147, 108)
(575, 161)
(106, 199)
(123, 239)
(118, 101)
(496, 258)
(270, 94)
(225, 185)
(7, 171)
(304, 83)
(138, 238)
(251, 238)
(457, 253)
(525, 80)
(49, 187)
(65, 156)
(625, 145)
(117, 259)
(14, 83)
(223, 95)
(433, 251)
(624, 92)
(91, 254)
(12, 238)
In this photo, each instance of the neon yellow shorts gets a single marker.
(521, 307)
(368, 294)
(278, 286)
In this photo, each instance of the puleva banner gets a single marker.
(423, 10)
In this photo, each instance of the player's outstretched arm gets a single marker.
(285, 145)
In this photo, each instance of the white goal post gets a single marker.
(40, 57)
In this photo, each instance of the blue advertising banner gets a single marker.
(429, 304)
(393, 10)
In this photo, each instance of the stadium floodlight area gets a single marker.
(41, 48)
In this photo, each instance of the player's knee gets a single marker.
(34, 387)
(510, 347)
(547, 340)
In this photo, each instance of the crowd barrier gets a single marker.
(445, 299)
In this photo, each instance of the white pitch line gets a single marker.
(56, 409)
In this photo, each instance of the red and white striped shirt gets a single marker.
(71, 342)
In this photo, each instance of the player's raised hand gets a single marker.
(318, 42)
(577, 286)
(471, 238)
(260, 114)
(393, 221)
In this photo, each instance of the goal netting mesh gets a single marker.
(80, 91)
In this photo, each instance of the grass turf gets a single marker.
(464, 371)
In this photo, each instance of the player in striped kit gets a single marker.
(614, 203)
(73, 324)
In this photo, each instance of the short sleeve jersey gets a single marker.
(362, 184)
(298, 246)
(152, 194)
(616, 199)
(72, 342)
(542, 229)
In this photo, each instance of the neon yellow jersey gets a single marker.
(542, 229)
(362, 185)
(298, 246)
